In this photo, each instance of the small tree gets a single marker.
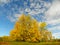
(46, 35)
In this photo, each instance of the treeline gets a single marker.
(56, 40)
(30, 30)
(8, 39)
(5, 38)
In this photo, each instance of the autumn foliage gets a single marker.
(28, 29)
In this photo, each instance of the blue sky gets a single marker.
(41, 10)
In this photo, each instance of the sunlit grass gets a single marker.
(40, 43)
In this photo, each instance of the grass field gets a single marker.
(27, 43)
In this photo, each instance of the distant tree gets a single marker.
(5, 38)
(46, 35)
(1, 39)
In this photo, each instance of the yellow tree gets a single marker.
(26, 29)
(5, 38)
(34, 31)
(15, 35)
(46, 35)
(42, 26)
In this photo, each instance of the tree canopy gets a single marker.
(28, 29)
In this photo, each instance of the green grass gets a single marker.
(27, 43)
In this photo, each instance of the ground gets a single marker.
(27, 43)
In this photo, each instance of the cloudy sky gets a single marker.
(42, 10)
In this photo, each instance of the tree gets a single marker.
(42, 26)
(5, 38)
(46, 35)
(1, 39)
(26, 29)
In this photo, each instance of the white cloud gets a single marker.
(37, 7)
(21, 10)
(27, 10)
(53, 21)
(36, 11)
(54, 11)
(34, 8)
(17, 15)
(47, 4)
(56, 35)
(32, 5)
(31, 0)
(11, 18)
(4, 1)
(53, 18)
(54, 28)
(55, 25)
(33, 12)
